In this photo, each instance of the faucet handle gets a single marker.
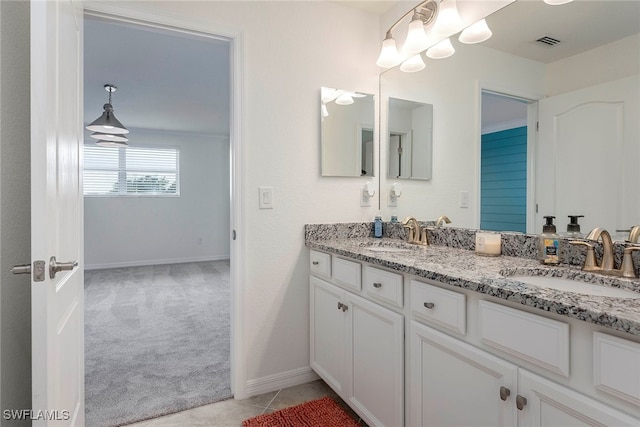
(412, 232)
(628, 270)
(590, 261)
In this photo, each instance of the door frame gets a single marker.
(115, 12)
(532, 137)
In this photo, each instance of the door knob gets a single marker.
(55, 266)
(38, 270)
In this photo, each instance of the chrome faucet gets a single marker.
(417, 235)
(606, 265)
(441, 219)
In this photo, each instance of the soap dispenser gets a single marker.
(377, 226)
(573, 228)
(549, 244)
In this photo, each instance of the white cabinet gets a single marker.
(357, 348)
(457, 384)
(549, 404)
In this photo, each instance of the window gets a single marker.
(113, 171)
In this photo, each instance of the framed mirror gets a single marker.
(409, 139)
(347, 131)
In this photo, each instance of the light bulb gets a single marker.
(475, 33)
(413, 64)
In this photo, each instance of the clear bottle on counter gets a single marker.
(377, 226)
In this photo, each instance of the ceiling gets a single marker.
(167, 80)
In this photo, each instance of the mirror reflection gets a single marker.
(584, 89)
(346, 132)
(409, 139)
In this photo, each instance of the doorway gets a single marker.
(138, 242)
(505, 162)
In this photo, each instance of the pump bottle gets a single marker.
(549, 243)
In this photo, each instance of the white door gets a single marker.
(588, 156)
(56, 212)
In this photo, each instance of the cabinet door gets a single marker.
(328, 334)
(376, 353)
(551, 405)
(456, 384)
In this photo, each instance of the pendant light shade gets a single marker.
(413, 64)
(476, 33)
(557, 2)
(417, 39)
(111, 144)
(114, 137)
(107, 122)
(449, 21)
(442, 50)
(344, 99)
(389, 56)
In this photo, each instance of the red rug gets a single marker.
(323, 412)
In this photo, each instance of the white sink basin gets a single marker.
(576, 286)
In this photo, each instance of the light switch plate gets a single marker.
(265, 197)
(464, 199)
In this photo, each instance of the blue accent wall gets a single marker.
(503, 180)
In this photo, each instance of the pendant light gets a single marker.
(449, 21)
(389, 56)
(417, 39)
(107, 122)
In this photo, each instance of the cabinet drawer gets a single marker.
(616, 367)
(440, 306)
(347, 273)
(383, 285)
(536, 339)
(320, 264)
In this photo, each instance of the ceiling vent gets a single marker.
(548, 41)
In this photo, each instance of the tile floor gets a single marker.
(231, 413)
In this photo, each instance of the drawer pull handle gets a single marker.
(504, 393)
(340, 305)
(521, 402)
(377, 285)
(343, 307)
(316, 263)
(429, 305)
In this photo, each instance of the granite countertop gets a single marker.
(490, 275)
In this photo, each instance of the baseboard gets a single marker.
(279, 381)
(154, 262)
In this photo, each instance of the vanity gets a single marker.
(435, 335)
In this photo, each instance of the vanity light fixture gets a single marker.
(442, 50)
(413, 64)
(476, 33)
(107, 122)
(416, 41)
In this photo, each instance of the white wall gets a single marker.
(291, 49)
(124, 231)
(15, 236)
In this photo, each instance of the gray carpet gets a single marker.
(156, 340)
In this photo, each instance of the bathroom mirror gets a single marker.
(585, 45)
(347, 123)
(410, 126)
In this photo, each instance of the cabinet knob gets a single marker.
(377, 285)
(504, 393)
(521, 402)
(315, 263)
(429, 305)
(345, 307)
